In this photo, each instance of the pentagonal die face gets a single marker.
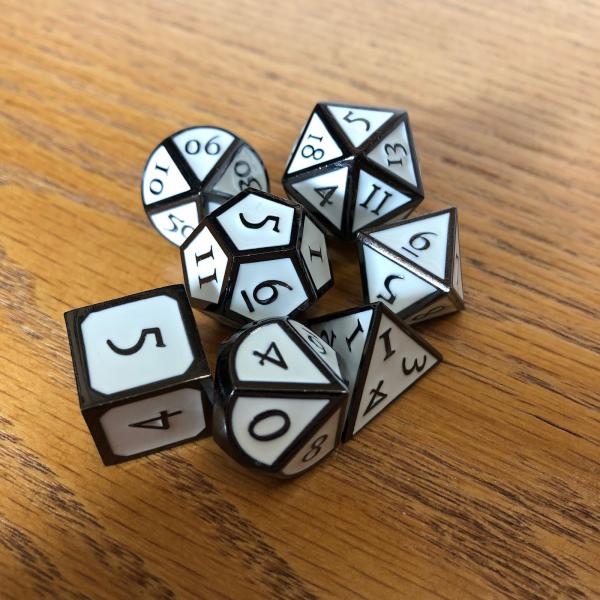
(281, 401)
(193, 172)
(354, 167)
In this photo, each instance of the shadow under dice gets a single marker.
(414, 266)
(141, 373)
(255, 257)
(380, 358)
(354, 167)
(280, 400)
(193, 172)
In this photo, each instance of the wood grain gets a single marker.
(483, 482)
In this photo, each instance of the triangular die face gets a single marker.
(322, 350)
(265, 428)
(347, 335)
(162, 178)
(317, 448)
(326, 193)
(388, 282)
(176, 223)
(316, 147)
(269, 355)
(397, 361)
(202, 147)
(244, 171)
(438, 308)
(314, 254)
(423, 242)
(394, 154)
(358, 124)
(457, 271)
(374, 199)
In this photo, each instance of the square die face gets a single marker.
(135, 344)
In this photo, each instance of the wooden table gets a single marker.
(483, 481)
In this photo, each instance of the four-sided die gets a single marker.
(257, 256)
(380, 358)
(142, 377)
(414, 266)
(280, 400)
(194, 171)
(354, 167)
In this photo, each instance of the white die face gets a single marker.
(438, 308)
(393, 153)
(397, 361)
(268, 288)
(316, 147)
(359, 124)
(135, 344)
(457, 283)
(244, 171)
(423, 242)
(268, 354)
(202, 147)
(326, 193)
(205, 265)
(162, 178)
(314, 254)
(388, 282)
(154, 422)
(316, 449)
(258, 222)
(374, 199)
(321, 349)
(176, 223)
(265, 428)
(347, 336)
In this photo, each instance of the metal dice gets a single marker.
(280, 400)
(141, 373)
(354, 167)
(255, 257)
(194, 171)
(380, 358)
(414, 266)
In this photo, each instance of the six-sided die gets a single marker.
(142, 377)
(194, 171)
(354, 167)
(414, 266)
(280, 399)
(255, 257)
(380, 358)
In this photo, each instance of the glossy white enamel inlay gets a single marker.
(424, 242)
(317, 447)
(268, 288)
(213, 203)
(374, 199)
(202, 147)
(321, 349)
(316, 146)
(358, 124)
(269, 354)
(162, 178)
(392, 284)
(397, 361)
(438, 308)
(250, 430)
(154, 422)
(176, 223)
(244, 171)
(393, 154)
(457, 273)
(314, 253)
(205, 264)
(135, 344)
(326, 193)
(257, 222)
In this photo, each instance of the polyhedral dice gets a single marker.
(354, 167)
(194, 171)
(414, 266)
(257, 256)
(380, 358)
(280, 400)
(141, 373)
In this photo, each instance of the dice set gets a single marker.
(285, 393)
